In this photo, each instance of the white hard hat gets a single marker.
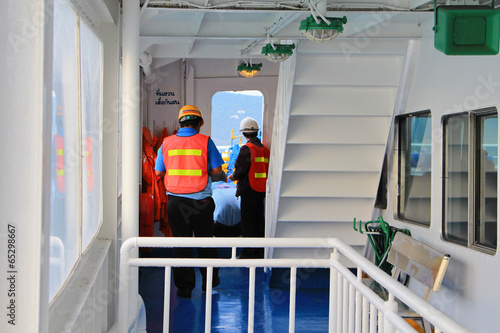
(249, 125)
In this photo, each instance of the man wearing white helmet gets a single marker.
(251, 169)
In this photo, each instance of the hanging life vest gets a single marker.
(59, 161)
(186, 163)
(259, 166)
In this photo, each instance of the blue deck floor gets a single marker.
(230, 304)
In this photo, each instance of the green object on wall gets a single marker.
(467, 30)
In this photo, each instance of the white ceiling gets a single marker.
(222, 29)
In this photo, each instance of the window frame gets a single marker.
(398, 184)
(80, 160)
(473, 180)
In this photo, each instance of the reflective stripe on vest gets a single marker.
(185, 152)
(59, 162)
(259, 166)
(177, 172)
(186, 163)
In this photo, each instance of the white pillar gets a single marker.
(131, 136)
(131, 124)
(25, 119)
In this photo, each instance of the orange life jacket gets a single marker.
(186, 163)
(259, 165)
(59, 159)
(153, 185)
(159, 141)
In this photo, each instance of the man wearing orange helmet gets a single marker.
(188, 161)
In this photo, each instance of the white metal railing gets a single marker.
(353, 306)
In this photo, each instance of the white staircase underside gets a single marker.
(339, 121)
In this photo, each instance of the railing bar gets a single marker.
(380, 321)
(390, 306)
(339, 302)
(358, 312)
(233, 252)
(293, 289)
(202, 262)
(373, 319)
(345, 305)
(366, 316)
(208, 299)
(352, 307)
(372, 297)
(359, 275)
(332, 319)
(436, 317)
(251, 299)
(166, 299)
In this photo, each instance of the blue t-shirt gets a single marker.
(227, 206)
(214, 161)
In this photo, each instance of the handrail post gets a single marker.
(390, 306)
(293, 292)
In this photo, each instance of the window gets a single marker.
(414, 167)
(76, 209)
(91, 106)
(228, 110)
(381, 199)
(470, 179)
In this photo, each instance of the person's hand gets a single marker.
(230, 178)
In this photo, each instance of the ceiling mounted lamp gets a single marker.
(323, 30)
(247, 70)
(277, 52)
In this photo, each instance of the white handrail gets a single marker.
(340, 275)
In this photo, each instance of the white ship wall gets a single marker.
(451, 84)
(204, 78)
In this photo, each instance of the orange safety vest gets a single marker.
(186, 163)
(59, 160)
(259, 165)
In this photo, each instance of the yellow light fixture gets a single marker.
(247, 70)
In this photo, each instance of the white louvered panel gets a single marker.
(322, 229)
(329, 184)
(314, 157)
(338, 130)
(323, 209)
(345, 101)
(364, 71)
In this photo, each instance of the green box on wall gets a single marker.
(467, 30)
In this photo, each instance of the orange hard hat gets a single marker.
(189, 112)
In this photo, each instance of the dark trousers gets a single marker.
(187, 217)
(253, 219)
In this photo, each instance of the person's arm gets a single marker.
(160, 165)
(215, 163)
(242, 164)
(218, 174)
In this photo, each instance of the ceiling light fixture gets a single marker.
(277, 52)
(249, 70)
(320, 31)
